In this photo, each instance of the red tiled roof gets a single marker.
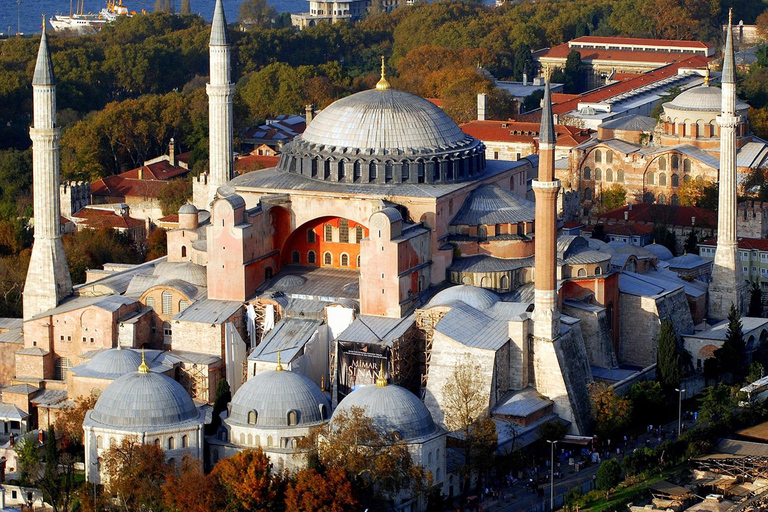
(627, 229)
(95, 218)
(435, 101)
(518, 131)
(174, 217)
(128, 184)
(662, 214)
(162, 170)
(637, 41)
(759, 244)
(572, 224)
(255, 162)
(184, 157)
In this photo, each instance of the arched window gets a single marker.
(388, 172)
(686, 165)
(327, 258)
(311, 259)
(675, 162)
(257, 440)
(598, 174)
(328, 233)
(112, 442)
(269, 440)
(295, 257)
(405, 172)
(598, 271)
(171, 443)
(675, 180)
(429, 458)
(358, 261)
(326, 169)
(185, 441)
(343, 231)
(358, 234)
(609, 174)
(183, 251)
(151, 302)
(587, 194)
(311, 238)
(420, 172)
(662, 179)
(662, 164)
(504, 282)
(582, 272)
(608, 156)
(598, 156)
(662, 199)
(344, 259)
(649, 178)
(314, 168)
(183, 304)
(252, 415)
(687, 178)
(587, 173)
(340, 173)
(250, 439)
(372, 172)
(99, 442)
(167, 303)
(293, 418)
(61, 368)
(674, 200)
(620, 175)
(357, 173)
(158, 443)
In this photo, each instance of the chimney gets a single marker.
(626, 215)
(141, 172)
(525, 79)
(630, 206)
(693, 221)
(309, 113)
(172, 152)
(482, 106)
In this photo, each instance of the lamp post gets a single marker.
(552, 474)
(680, 410)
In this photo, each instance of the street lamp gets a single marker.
(680, 410)
(552, 475)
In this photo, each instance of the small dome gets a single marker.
(392, 409)
(273, 394)
(112, 363)
(186, 271)
(142, 400)
(188, 208)
(479, 298)
(289, 282)
(660, 252)
(702, 98)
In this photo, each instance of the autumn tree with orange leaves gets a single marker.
(312, 491)
(247, 482)
(190, 476)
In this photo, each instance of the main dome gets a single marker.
(143, 400)
(703, 99)
(392, 409)
(384, 137)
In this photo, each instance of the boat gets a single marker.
(90, 23)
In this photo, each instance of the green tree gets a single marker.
(27, 460)
(730, 356)
(135, 474)
(755, 301)
(665, 237)
(647, 399)
(533, 100)
(222, 397)
(692, 243)
(669, 361)
(610, 411)
(524, 63)
(612, 197)
(572, 75)
(174, 195)
(717, 404)
(256, 14)
(58, 479)
(552, 431)
(756, 371)
(608, 474)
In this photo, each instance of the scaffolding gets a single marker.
(194, 378)
(260, 308)
(426, 320)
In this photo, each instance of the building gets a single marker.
(753, 258)
(275, 131)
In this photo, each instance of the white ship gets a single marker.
(89, 23)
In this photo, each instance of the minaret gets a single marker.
(546, 316)
(48, 280)
(728, 285)
(220, 92)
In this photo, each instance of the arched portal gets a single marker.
(336, 243)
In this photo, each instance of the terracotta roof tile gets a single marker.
(663, 213)
(96, 218)
(255, 162)
(518, 131)
(673, 43)
(750, 244)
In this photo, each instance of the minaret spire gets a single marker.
(546, 316)
(220, 114)
(48, 280)
(728, 285)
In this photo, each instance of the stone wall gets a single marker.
(595, 328)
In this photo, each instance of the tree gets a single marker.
(647, 399)
(669, 360)
(256, 14)
(610, 411)
(69, 424)
(248, 483)
(552, 431)
(92, 248)
(608, 475)
(613, 197)
(692, 243)
(222, 397)
(665, 237)
(730, 356)
(755, 301)
(58, 479)
(717, 405)
(135, 474)
(27, 460)
(524, 63)
(312, 491)
(178, 487)
(756, 371)
(533, 100)
(174, 195)
(157, 244)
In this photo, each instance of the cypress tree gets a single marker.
(731, 354)
(669, 368)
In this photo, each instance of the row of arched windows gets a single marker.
(167, 303)
(170, 443)
(343, 233)
(583, 272)
(608, 174)
(292, 418)
(327, 258)
(661, 179)
(675, 163)
(599, 156)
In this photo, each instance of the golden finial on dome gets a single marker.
(706, 76)
(381, 381)
(143, 368)
(279, 362)
(730, 16)
(382, 85)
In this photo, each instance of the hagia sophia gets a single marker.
(383, 249)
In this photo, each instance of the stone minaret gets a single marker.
(220, 91)
(728, 285)
(546, 316)
(48, 280)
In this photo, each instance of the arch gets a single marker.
(620, 175)
(675, 180)
(608, 156)
(293, 418)
(252, 417)
(662, 164)
(582, 273)
(158, 443)
(649, 178)
(311, 257)
(326, 169)
(269, 441)
(328, 232)
(598, 174)
(485, 282)
(388, 171)
(311, 236)
(295, 256)
(587, 173)
(598, 270)
(405, 172)
(504, 284)
(167, 304)
(314, 167)
(674, 201)
(358, 261)
(185, 441)
(183, 251)
(358, 234)
(341, 173)
(327, 258)
(250, 439)
(61, 368)
(686, 165)
(609, 174)
(662, 179)
(687, 178)
(344, 259)
(171, 443)
(357, 172)
(257, 440)
(661, 199)
(598, 156)
(675, 162)
(372, 172)
(112, 442)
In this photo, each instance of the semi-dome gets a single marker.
(142, 400)
(273, 395)
(392, 409)
(479, 298)
(384, 136)
(110, 364)
(703, 98)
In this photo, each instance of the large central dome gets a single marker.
(384, 137)
(385, 119)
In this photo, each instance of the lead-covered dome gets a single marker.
(384, 136)
(392, 409)
(268, 398)
(479, 298)
(109, 364)
(139, 401)
(703, 99)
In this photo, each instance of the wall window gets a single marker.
(609, 174)
(649, 178)
(311, 258)
(293, 418)
(358, 261)
(327, 258)
(99, 442)
(608, 157)
(675, 180)
(171, 443)
(662, 179)
(61, 368)
(675, 162)
(328, 233)
(251, 417)
(295, 257)
(357, 173)
(167, 303)
(662, 164)
(311, 238)
(184, 441)
(686, 165)
(183, 251)
(344, 231)
(358, 234)
(183, 304)
(405, 173)
(598, 174)
(344, 259)
(372, 172)
(151, 302)
(587, 173)
(587, 194)
(598, 156)
(620, 175)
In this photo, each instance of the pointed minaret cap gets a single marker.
(383, 84)
(547, 130)
(381, 381)
(44, 67)
(279, 367)
(729, 75)
(219, 26)
(143, 368)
